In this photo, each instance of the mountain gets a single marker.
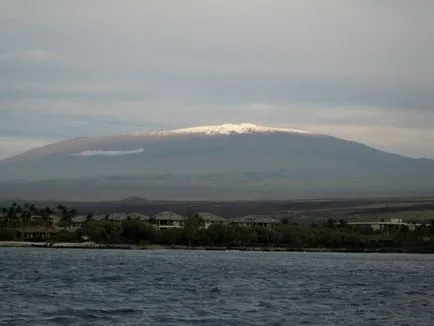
(231, 161)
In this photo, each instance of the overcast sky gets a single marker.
(360, 70)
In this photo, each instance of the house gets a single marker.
(36, 218)
(139, 217)
(36, 233)
(168, 220)
(386, 225)
(211, 219)
(254, 220)
(99, 217)
(241, 221)
(54, 219)
(265, 221)
(78, 221)
(119, 217)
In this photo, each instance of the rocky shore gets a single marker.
(92, 245)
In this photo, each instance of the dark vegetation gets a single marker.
(288, 233)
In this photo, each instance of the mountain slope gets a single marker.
(213, 162)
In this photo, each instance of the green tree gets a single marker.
(136, 232)
(66, 236)
(343, 223)
(331, 223)
(192, 225)
(103, 231)
(7, 234)
(217, 235)
(113, 232)
(169, 236)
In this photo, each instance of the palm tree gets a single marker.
(45, 213)
(18, 209)
(11, 213)
(89, 217)
(64, 214)
(68, 215)
(62, 209)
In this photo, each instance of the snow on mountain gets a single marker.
(230, 128)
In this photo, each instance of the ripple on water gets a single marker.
(85, 287)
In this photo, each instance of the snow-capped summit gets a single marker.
(230, 128)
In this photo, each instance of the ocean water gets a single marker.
(116, 287)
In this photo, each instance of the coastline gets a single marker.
(91, 245)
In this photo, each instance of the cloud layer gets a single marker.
(360, 70)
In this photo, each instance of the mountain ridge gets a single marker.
(241, 161)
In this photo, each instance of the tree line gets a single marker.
(289, 233)
(18, 215)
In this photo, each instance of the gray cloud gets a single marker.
(356, 69)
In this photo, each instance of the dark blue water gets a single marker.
(110, 287)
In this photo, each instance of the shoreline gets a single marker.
(90, 245)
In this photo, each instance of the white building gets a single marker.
(385, 226)
(168, 220)
(255, 220)
(210, 219)
(139, 217)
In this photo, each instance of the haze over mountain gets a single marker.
(223, 162)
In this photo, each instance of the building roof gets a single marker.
(209, 217)
(254, 219)
(383, 223)
(266, 219)
(79, 219)
(167, 215)
(118, 217)
(98, 217)
(140, 217)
